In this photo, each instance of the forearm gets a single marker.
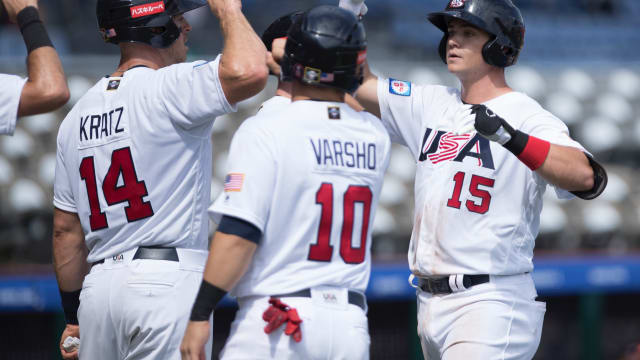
(69, 251)
(367, 94)
(567, 168)
(46, 88)
(229, 258)
(243, 66)
(70, 264)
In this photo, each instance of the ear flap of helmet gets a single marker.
(497, 55)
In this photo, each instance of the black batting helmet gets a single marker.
(279, 28)
(500, 18)
(326, 46)
(145, 21)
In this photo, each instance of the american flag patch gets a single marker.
(233, 182)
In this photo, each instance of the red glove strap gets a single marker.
(535, 152)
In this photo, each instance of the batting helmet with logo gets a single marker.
(145, 21)
(500, 18)
(279, 28)
(326, 46)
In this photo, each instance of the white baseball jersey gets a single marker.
(308, 176)
(477, 207)
(275, 103)
(134, 158)
(10, 91)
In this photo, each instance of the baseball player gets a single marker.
(46, 87)
(133, 177)
(294, 235)
(485, 155)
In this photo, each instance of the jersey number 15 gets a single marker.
(131, 191)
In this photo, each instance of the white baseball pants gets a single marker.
(498, 320)
(138, 309)
(330, 330)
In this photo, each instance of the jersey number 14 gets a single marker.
(131, 191)
(322, 249)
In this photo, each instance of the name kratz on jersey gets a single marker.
(356, 154)
(447, 146)
(100, 126)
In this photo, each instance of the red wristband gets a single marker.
(535, 152)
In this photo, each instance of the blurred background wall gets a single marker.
(581, 61)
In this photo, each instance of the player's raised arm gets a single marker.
(70, 265)
(243, 67)
(46, 88)
(367, 94)
(565, 167)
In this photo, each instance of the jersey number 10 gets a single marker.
(322, 249)
(131, 191)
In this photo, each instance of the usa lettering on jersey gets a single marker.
(439, 146)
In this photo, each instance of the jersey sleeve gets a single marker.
(401, 108)
(62, 191)
(250, 179)
(192, 93)
(10, 92)
(553, 130)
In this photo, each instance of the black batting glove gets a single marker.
(492, 126)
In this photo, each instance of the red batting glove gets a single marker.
(279, 313)
(275, 315)
(293, 325)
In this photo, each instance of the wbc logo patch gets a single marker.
(456, 4)
(147, 9)
(399, 87)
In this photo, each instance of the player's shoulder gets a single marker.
(404, 88)
(522, 105)
(10, 80)
(186, 67)
(376, 125)
(262, 122)
(518, 108)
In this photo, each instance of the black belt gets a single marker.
(441, 286)
(355, 298)
(152, 253)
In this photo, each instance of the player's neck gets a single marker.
(300, 91)
(482, 88)
(284, 89)
(136, 55)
